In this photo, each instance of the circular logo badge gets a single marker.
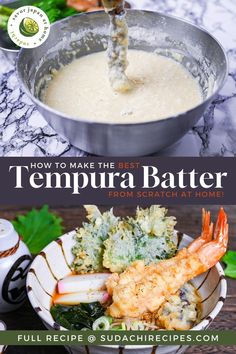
(28, 27)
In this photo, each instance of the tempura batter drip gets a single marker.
(117, 45)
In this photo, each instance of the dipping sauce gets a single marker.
(161, 87)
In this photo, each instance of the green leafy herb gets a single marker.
(77, 317)
(54, 9)
(230, 260)
(38, 228)
(68, 12)
(7, 11)
(3, 22)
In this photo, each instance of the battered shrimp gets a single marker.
(140, 288)
(117, 45)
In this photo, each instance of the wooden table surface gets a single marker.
(189, 222)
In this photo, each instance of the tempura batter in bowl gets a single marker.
(171, 63)
(153, 87)
(160, 87)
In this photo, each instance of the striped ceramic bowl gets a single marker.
(53, 264)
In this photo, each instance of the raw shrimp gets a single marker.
(82, 5)
(144, 288)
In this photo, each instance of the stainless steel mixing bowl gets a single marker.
(82, 34)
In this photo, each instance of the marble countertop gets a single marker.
(24, 132)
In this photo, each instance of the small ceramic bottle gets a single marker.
(15, 259)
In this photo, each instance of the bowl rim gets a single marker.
(206, 101)
(202, 325)
(8, 50)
